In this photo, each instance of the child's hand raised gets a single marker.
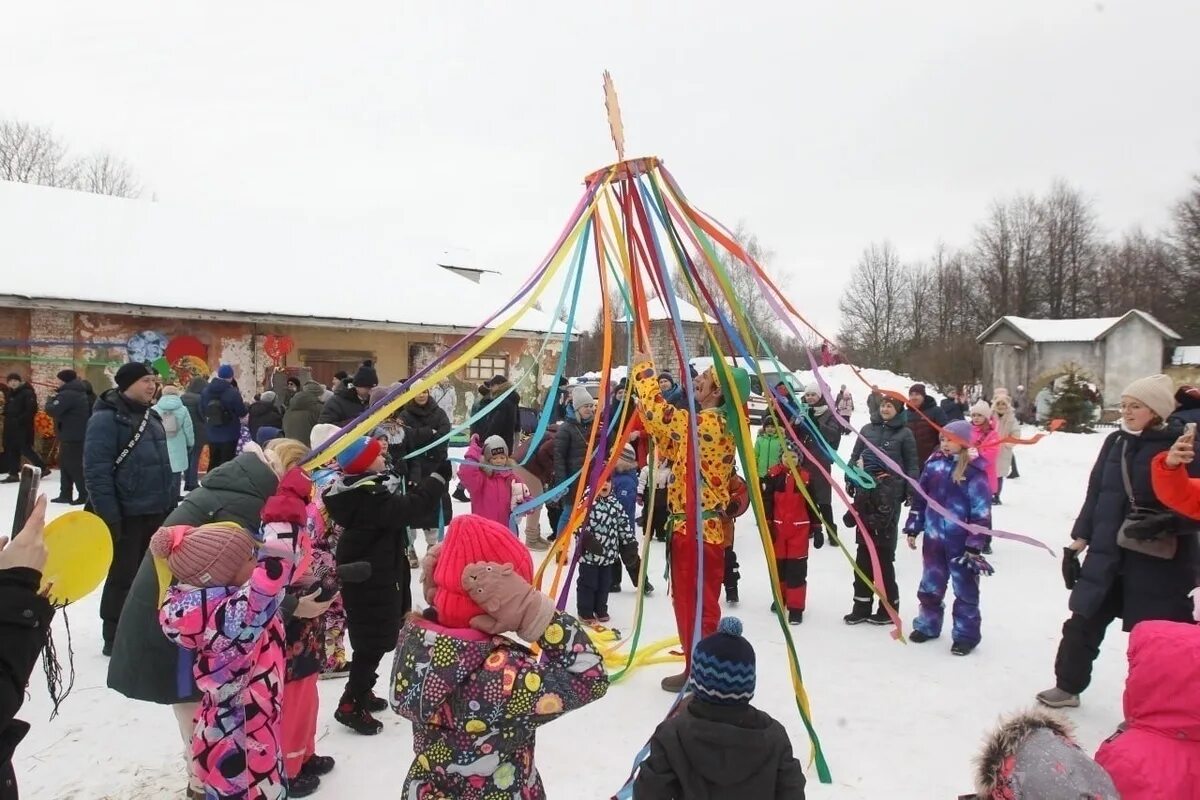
(510, 603)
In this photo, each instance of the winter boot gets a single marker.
(460, 494)
(534, 541)
(63, 500)
(1058, 698)
(375, 704)
(318, 765)
(355, 716)
(648, 589)
(675, 683)
(881, 617)
(303, 784)
(916, 637)
(996, 500)
(795, 617)
(961, 648)
(859, 614)
(731, 595)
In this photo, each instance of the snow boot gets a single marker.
(63, 501)
(460, 494)
(916, 637)
(1058, 698)
(356, 717)
(859, 614)
(731, 595)
(675, 683)
(534, 541)
(961, 648)
(648, 589)
(795, 617)
(996, 500)
(375, 704)
(881, 617)
(318, 765)
(303, 784)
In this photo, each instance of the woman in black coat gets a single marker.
(1114, 580)
(425, 422)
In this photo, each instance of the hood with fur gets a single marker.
(1033, 756)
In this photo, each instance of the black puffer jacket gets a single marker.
(1151, 588)
(71, 411)
(505, 419)
(19, 411)
(342, 407)
(422, 426)
(191, 401)
(570, 447)
(895, 440)
(24, 620)
(264, 412)
(925, 429)
(720, 753)
(831, 432)
(142, 484)
(375, 517)
(145, 665)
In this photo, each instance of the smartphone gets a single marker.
(1189, 431)
(27, 492)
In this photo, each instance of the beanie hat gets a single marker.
(366, 377)
(131, 373)
(723, 666)
(917, 388)
(494, 445)
(959, 431)
(225, 372)
(359, 455)
(377, 393)
(1188, 397)
(171, 389)
(499, 379)
(266, 433)
(580, 397)
(894, 402)
(14, 376)
(629, 452)
(469, 540)
(1156, 392)
(267, 396)
(812, 388)
(981, 407)
(321, 433)
(666, 375)
(210, 555)
(68, 375)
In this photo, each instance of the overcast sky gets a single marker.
(821, 126)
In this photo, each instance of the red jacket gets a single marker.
(1157, 756)
(787, 511)
(1174, 488)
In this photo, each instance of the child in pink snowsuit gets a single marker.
(224, 608)
(486, 473)
(986, 440)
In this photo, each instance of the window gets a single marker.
(484, 367)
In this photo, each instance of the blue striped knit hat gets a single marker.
(723, 666)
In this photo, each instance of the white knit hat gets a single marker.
(321, 433)
(981, 407)
(1156, 392)
(580, 397)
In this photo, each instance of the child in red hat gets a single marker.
(476, 697)
(367, 503)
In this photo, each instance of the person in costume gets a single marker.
(475, 696)
(670, 428)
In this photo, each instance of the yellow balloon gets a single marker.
(80, 551)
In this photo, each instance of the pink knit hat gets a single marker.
(210, 555)
(470, 539)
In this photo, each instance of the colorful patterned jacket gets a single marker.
(669, 427)
(969, 501)
(476, 702)
(608, 527)
(239, 642)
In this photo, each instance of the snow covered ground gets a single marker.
(898, 721)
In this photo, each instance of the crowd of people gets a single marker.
(230, 595)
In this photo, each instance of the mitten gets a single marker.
(428, 565)
(818, 537)
(1071, 568)
(510, 603)
(974, 561)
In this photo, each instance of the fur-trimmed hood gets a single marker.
(1033, 756)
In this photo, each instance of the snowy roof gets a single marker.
(1186, 356)
(57, 244)
(1071, 330)
(687, 312)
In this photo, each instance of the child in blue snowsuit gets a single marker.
(956, 478)
(625, 490)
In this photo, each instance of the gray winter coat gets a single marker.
(303, 412)
(191, 401)
(145, 665)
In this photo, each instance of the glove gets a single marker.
(851, 489)
(511, 603)
(818, 537)
(1071, 568)
(445, 472)
(974, 561)
(290, 501)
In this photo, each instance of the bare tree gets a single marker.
(104, 173)
(1184, 241)
(1069, 228)
(872, 308)
(31, 154)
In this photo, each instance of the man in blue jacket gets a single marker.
(223, 408)
(129, 480)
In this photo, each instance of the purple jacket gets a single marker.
(969, 501)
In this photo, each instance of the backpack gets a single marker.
(216, 414)
(170, 424)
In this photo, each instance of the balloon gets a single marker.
(79, 553)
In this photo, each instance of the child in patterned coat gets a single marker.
(224, 608)
(958, 481)
(605, 533)
(475, 696)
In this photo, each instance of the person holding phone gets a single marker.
(1172, 485)
(25, 616)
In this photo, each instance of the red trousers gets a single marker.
(684, 558)
(299, 723)
(790, 540)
